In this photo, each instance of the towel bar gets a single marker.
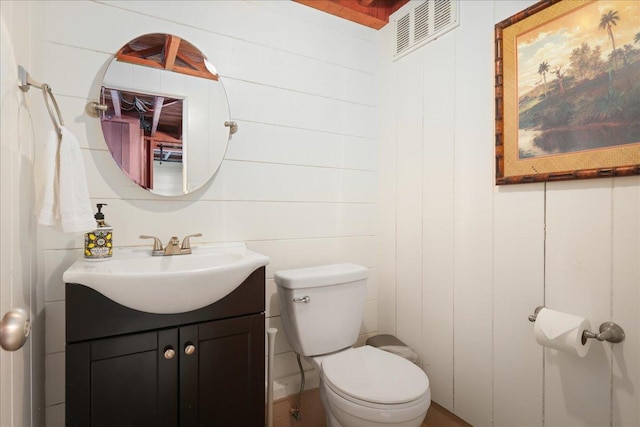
(25, 84)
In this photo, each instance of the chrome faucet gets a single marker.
(173, 247)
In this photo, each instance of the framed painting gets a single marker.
(567, 86)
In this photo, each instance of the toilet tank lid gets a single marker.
(323, 275)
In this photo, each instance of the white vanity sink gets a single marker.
(168, 284)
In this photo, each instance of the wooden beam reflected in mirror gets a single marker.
(168, 52)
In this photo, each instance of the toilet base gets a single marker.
(331, 420)
(348, 419)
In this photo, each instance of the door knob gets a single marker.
(15, 327)
(189, 349)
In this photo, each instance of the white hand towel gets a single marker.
(66, 205)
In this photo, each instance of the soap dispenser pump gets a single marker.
(98, 245)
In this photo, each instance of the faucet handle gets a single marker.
(157, 244)
(186, 243)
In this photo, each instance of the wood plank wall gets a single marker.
(465, 262)
(299, 180)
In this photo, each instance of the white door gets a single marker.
(17, 230)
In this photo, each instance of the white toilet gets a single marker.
(322, 311)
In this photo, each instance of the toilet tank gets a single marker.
(322, 306)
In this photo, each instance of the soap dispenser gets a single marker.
(98, 245)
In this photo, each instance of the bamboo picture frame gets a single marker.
(567, 97)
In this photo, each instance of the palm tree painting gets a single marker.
(607, 20)
(590, 96)
(543, 69)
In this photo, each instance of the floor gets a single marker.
(313, 413)
(440, 417)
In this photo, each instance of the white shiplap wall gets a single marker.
(299, 181)
(21, 371)
(299, 184)
(465, 262)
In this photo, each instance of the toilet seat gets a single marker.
(374, 378)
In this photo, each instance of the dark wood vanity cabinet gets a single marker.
(201, 368)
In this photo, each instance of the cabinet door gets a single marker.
(222, 380)
(124, 381)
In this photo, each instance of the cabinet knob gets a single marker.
(169, 353)
(189, 349)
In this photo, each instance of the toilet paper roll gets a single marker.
(561, 331)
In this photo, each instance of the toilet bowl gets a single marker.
(322, 311)
(369, 387)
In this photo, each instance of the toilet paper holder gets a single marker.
(609, 331)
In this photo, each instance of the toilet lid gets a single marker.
(372, 375)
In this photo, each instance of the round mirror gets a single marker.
(166, 118)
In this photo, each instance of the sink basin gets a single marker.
(168, 284)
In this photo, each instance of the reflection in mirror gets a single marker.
(143, 132)
(166, 113)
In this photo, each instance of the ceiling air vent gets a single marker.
(419, 22)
